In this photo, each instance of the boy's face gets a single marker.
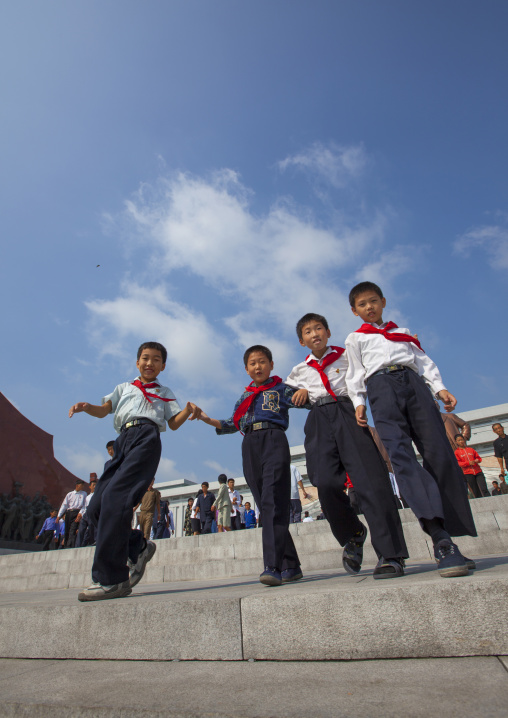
(150, 365)
(247, 506)
(369, 307)
(258, 367)
(460, 441)
(315, 337)
(231, 484)
(111, 451)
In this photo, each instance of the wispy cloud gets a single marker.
(248, 275)
(333, 163)
(81, 460)
(493, 239)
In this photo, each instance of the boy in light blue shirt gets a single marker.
(141, 410)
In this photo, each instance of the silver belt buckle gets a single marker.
(258, 425)
(392, 367)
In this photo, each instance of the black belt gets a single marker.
(330, 400)
(138, 422)
(389, 369)
(258, 425)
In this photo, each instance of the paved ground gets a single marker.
(416, 688)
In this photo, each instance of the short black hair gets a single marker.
(222, 479)
(154, 345)
(110, 443)
(361, 288)
(205, 483)
(494, 482)
(310, 317)
(459, 436)
(498, 423)
(257, 348)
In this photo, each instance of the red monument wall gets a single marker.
(26, 456)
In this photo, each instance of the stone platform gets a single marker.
(328, 615)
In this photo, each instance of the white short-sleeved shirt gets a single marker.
(128, 402)
(295, 478)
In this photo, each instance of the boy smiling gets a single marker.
(261, 414)
(141, 409)
(334, 445)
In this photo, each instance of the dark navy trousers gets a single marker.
(404, 411)
(120, 488)
(266, 466)
(334, 445)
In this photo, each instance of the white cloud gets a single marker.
(81, 461)
(333, 163)
(219, 468)
(248, 275)
(167, 471)
(491, 238)
(149, 314)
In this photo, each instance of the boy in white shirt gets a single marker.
(388, 365)
(334, 445)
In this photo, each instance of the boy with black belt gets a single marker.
(261, 414)
(388, 365)
(334, 445)
(141, 410)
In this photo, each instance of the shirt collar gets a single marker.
(155, 381)
(313, 357)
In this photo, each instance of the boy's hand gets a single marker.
(195, 411)
(77, 408)
(361, 415)
(300, 397)
(449, 401)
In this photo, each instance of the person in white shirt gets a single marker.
(71, 506)
(86, 531)
(388, 365)
(334, 445)
(234, 497)
(295, 508)
(307, 518)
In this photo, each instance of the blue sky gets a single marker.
(231, 166)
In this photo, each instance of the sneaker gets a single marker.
(271, 577)
(450, 561)
(471, 565)
(98, 592)
(138, 569)
(352, 555)
(389, 568)
(291, 574)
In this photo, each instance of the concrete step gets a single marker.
(326, 616)
(238, 553)
(465, 687)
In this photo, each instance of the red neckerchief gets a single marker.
(146, 394)
(393, 337)
(253, 392)
(329, 359)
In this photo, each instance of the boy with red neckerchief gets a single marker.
(388, 365)
(141, 409)
(261, 414)
(334, 445)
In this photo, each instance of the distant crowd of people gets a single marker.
(206, 513)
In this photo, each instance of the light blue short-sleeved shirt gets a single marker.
(128, 402)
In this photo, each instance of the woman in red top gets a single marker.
(469, 462)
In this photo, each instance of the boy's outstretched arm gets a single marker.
(93, 410)
(191, 411)
(211, 422)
